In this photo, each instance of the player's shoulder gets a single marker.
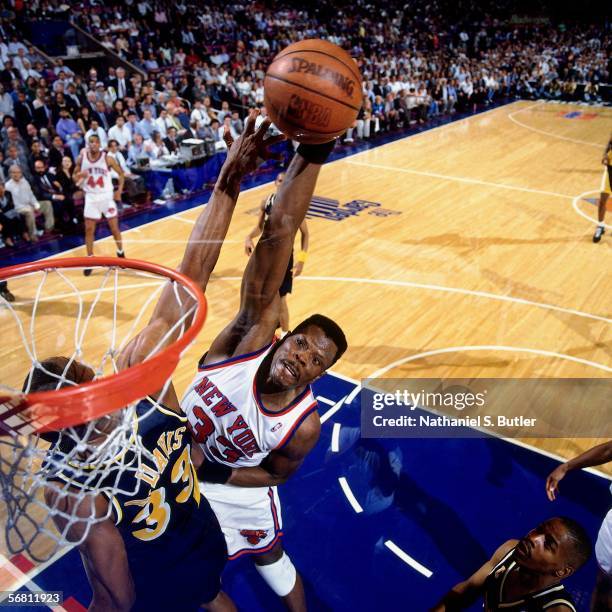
(305, 437)
(503, 550)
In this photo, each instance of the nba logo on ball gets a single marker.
(312, 91)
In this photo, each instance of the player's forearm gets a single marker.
(294, 196)
(305, 237)
(598, 455)
(255, 477)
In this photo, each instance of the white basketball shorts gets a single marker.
(250, 517)
(98, 205)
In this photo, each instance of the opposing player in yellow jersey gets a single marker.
(606, 183)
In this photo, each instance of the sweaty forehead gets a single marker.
(320, 340)
(557, 530)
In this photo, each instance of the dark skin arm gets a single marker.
(256, 320)
(103, 552)
(598, 455)
(281, 464)
(465, 593)
(204, 245)
(121, 177)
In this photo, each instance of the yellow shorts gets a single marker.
(605, 180)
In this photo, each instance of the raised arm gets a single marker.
(204, 244)
(598, 455)
(465, 593)
(257, 318)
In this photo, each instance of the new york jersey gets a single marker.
(228, 418)
(98, 179)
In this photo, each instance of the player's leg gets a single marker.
(113, 224)
(605, 190)
(276, 568)
(90, 232)
(284, 314)
(601, 214)
(91, 215)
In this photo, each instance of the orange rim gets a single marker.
(51, 410)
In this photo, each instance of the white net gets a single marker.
(51, 484)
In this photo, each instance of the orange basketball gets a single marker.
(313, 91)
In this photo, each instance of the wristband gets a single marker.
(316, 154)
(211, 471)
(302, 256)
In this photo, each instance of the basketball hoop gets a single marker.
(51, 410)
(96, 440)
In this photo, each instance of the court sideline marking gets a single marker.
(178, 216)
(373, 281)
(550, 134)
(460, 179)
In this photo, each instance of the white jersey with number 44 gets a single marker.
(229, 420)
(98, 179)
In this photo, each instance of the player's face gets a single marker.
(94, 145)
(544, 549)
(301, 358)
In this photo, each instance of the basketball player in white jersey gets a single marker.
(250, 406)
(125, 570)
(92, 175)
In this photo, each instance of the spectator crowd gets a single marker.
(199, 68)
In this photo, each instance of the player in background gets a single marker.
(606, 188)
(166, 551)
(92, 175)
(526, 574)
(250, 406)
(293, 269)
(601, 600)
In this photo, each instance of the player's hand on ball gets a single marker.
(251, 147)
(553, 480)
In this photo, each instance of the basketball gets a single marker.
(312, 91)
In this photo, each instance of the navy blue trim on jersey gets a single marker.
(232, 360)
(287, 408)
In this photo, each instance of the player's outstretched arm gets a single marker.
(464, 594)
(204, 244)
(278, 466)
(598, 455)
(257, 318)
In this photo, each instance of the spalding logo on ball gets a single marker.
(312, 91)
